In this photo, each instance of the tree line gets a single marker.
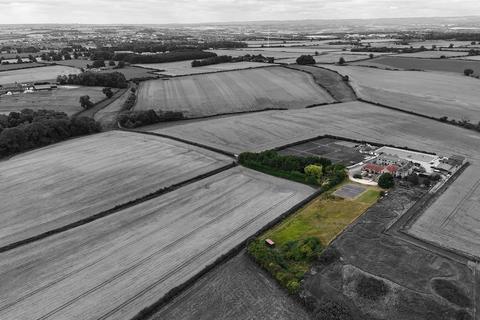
(95, 79)
(135, 119)
(28, 129)
(163, 57)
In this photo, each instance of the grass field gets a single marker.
(54, 186)
(35, 74)
(324, 218)
(429, 93)
(7, 67)
(227, 92)
(115, 267)
(434, 54)
(65, 99)
(181, 68)
(442, 65)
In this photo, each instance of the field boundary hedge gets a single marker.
(116, 209)
(30, 67)
(219, 71)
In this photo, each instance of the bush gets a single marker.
(371, 288)
(341, 61)
(329, 256)
(386, 181)
(468, 72)
(306, 59)
(135, 119)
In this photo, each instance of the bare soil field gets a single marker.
(35, 74)
(116, 266)
(453, 220)
(51, 187)
(441, 65)
(332, 81)
(433, 54)
(228, 92)
(236, 290)
(429, 93)
(407, 271)
(65, 99)
(181, 68)
(354, 120)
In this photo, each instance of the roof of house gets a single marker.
(391, 168)
(373, 167)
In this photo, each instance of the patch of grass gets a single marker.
(324, 218)
(451, 292)
(371, 288)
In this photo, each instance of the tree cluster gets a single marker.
(306, 59)
(95, 79)
(28, 129)
(462, 123)
(285, 263)
(135, 119)
(323, 173)
(386, 181)
(211, 60)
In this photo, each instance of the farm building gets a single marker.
(388, 155)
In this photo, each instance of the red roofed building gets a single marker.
(392, 169)
(373, 168)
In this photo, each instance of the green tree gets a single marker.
(386, 181)
(341, 61)
(305, 59)
(468, 72)
(108, 92)
(85, 102)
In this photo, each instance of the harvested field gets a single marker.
(429, 93)
(65, 99)
(55, 186)
(441, 65)
(332, 81)
(228, 92)
(433, 54)
(181, 68)
(453, 220)
(354, 120)
(35, 74)
(245, 292)
(115, 267)
(337, 151)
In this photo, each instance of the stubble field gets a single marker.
(228, 92)
(54, 186)
(429, 93)
(116, 266)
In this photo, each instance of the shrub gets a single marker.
(371, 288)
(468, 72)
(306, 59)
(386, 181)
(341, 61)
(329, 256)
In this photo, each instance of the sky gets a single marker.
(200, 11)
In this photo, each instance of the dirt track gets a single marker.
(113, 268)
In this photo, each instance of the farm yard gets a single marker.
(55, 186)
(65, 99)
(229, 92)
(428, 93)
(456, 66)
(245, 290)
(35, 74)
(271, 129)
(181, 68)
(116, 266)
(452, 221)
